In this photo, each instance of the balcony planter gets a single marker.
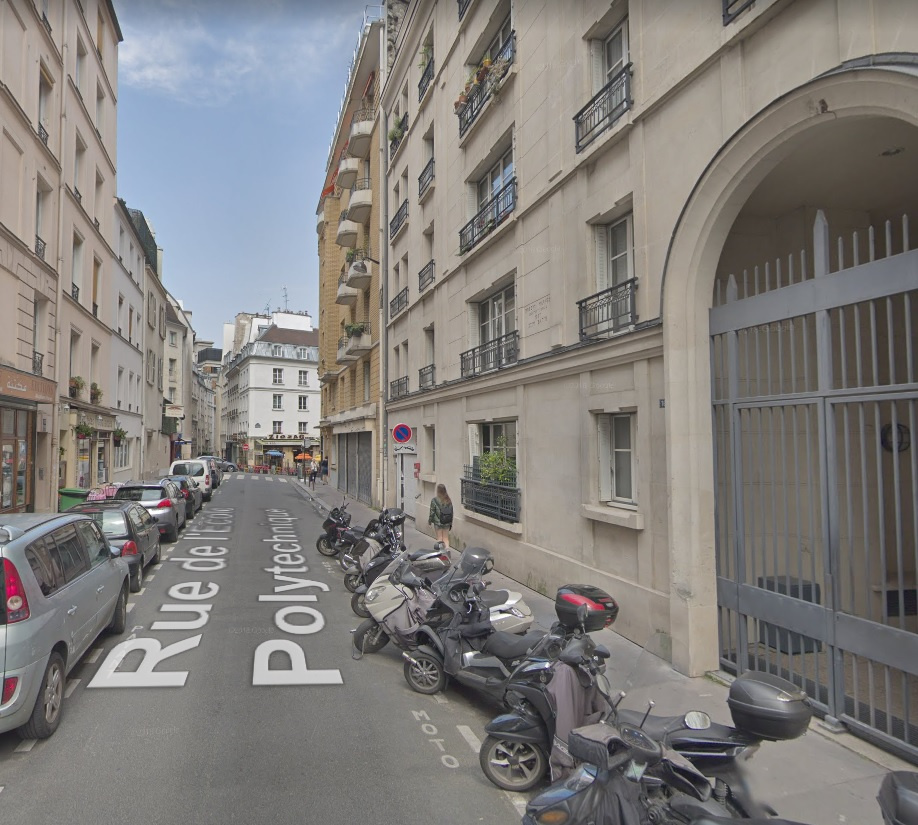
(76, 386)
(118, 435)
(496, 467)
(459, 105)
(95, 393)
(357, 328)
(83, 430)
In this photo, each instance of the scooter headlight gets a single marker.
(553, 816)
(372, 594)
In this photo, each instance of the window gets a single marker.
(69, 553)
(171, 395)
(301, 352)
(366, 380)
(304, 378)
(172, 338)
(100, 109)
(432, 447)
(277, 350)
(278, 376)
(93, 543)
(172, 363)
(42, 565)
(614, 54)
(277, 427)
(303, 402)
(614, 245)
(76, 271)
(497, 315)
(80, 71)
(496, 178)
(499, 437)
(616, 458)
(123, 454)
(303, 427)
(278, 402)
(500, 37)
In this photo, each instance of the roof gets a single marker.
(171, 315)
(299, 337)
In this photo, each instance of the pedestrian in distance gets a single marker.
(313, 472)
(323, 470)
(441, 514)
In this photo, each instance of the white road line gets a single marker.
(240, 477)
(282, 480)
(517, 802)
(149, 579)
(93, 655)
(440, 699)
(157, 565)
(130, 607)
(72, 685)
(25, 746)
(468, 734)
(1, 788)
(141, 591)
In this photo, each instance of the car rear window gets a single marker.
(112, 522)
(140, 494)
(196, 469)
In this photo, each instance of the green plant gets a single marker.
(424, 55)
(496, 467)
(356, 328)
(83, 430)
(396, 132)
(350, 255)
(118, 433)
(95, 393)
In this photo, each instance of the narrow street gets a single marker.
(186, 723)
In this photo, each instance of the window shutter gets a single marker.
(601, 236)
(474, 442)
(597, 68)
(605, 457)
(474, 326)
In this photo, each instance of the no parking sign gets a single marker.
(403, 436)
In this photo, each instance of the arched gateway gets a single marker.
(791, 304)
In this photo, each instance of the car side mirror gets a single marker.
(115, 552)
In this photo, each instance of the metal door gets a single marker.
(365, 467)
(815, 393)
(351, 463)
(407, 484)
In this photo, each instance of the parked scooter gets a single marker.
(387, 536)
(430, 563)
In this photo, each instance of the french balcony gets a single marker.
(38, 360)
(493, 355)
(463, 7)
(398, 388)
(347, 295)
(399, 130)
(359, 340)
(74, 292)
(426, 276)
(348, 230)
(426, 180)
(427, 377)
(320, 220)
(361, 137)
(39, 247)
(481, 93)
(603, 110)
(344, 357)
(358, 273)
(399, 221)
(426, 78)
(399, 303)
(43, 134)
(348, 168)
(361, 202)
(488, 218)
(499, 501)
(734, 8)
(608, 312)
(77, 195)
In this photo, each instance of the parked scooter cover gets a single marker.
(405, 620)
(373, 549)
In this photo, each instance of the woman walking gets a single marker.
(441, 514)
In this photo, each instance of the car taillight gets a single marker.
(17, 605)
(207, 479)
(9, 688)
(185, 494)
(129, 549)
(164, 503)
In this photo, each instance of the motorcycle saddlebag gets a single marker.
(603, 608)
(769, 707)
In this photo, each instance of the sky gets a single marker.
(226, 109)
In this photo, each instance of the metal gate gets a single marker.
(365, 467)
(815, 395)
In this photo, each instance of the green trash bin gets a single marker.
(67, 497)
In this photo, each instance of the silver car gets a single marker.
(62, 585)
(162, 499)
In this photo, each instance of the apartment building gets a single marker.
(207, 366)
(349, 253)
(650, 318)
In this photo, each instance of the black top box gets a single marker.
(603, 610)
(768, 706)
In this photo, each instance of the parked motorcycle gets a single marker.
(429, 563)
(339, 536)
(387, 536)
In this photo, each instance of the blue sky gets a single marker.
(225, 113)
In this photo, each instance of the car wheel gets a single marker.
(425, 673)
(172, 535)
(119, 617)
(358, 605)
(137, 577)
(155, 559)
(46, 715)
(513, 766)
(370, 637)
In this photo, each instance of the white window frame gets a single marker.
(493, 314)
(303, 427)
(277, 401)
(277, 427)
(277, 375)
(610, 491)
(277, 350)
(602, 69)
(303, 378)
(608, 255)
(303, 403)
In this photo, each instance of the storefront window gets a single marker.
(6, 494)
(15, 458)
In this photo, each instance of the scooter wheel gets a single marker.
(325, 547)
(358, 605)
(352, 582)
(370, 637)
(513, 766)
(425, 674)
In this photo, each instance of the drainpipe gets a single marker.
(384, 280)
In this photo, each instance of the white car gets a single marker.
(199, 470)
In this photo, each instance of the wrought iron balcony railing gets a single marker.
(500, 352)
(74, 292)
(426, 276)
(398, 387)
(398, 303)
(606, 107)
(399, 220)
(734, 8)
(483, 91)
(488, 217)
(498, 501)
(426, 178)
(402, 128)
(38, 360)
(426, 77)
(427, 377)
(362, 183)
(342, 216)
(43, 134)
(46, 21)
(39, 247)
(607, 312)
(463, 7)
(95, 309)
(77, 195)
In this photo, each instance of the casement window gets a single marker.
(304, 378)
(497, 436)
(500, 37)
(496, 178)
(614, 254)
(277, 350)
(609, 56)
(277, 427)
(278, 376)
(616, 457)
(301, 353)
(278, 402)
(497, 315)
(303, 427)
(172, 339)
(303, 403)
(366, 381)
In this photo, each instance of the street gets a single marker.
(233, 696)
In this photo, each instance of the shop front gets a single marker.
(86, 448)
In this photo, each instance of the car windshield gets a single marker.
(189, 469)
(183, 483)
(140, 494)
(112, 522)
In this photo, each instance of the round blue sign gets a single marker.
(401, 433)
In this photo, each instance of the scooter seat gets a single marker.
(492, 598)
(510, 646)
(673, 729)
(898, 797)
(353, 534)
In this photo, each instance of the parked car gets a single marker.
(214, 464)
(162, 499)
(199, 470)
(129, 527)
(62, 585)
(231, 468)
(191, 491)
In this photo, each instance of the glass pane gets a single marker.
(6, 421)
(614, 55)
(21, 474)
(6, 479)
(621, 432)
(622, 474)
(21, 423)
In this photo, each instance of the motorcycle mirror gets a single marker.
(582, 612)
(697, 720)
(439, 545)
(650, 705)
(488, 566)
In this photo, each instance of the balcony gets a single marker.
(608, 312)
(74, 292)
(493, 355)
(361, 137)
(399, 221)
(426, 276)
(77, 195)
(361, 201)
(488, 218)
(348, 169)
(398, 303)
(347, 295)
(497, 501)
(344, 357)
(43, 134)
(426, 180)
(397, 135)
(463, 7)
(427, 377)
(320, 219)
(426, 78)
(359, 340)
(734, 8)
(398, 388)
(39, 247)
(482, 92)
(606, 107)
(348, 230)
(38, 360)
(358, 273)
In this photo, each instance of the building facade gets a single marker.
(627, 367)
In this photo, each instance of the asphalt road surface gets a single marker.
(233, 697)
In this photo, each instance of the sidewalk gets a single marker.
(820, 779)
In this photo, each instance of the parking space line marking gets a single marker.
(25, 746)
(282, 480)
(468, 734)
(130, 607)
(141, 591)
(441, 699)
(149, 579)
(157, 565)
(517, 802)
(240, 477)
(94, 654)
(71, 686)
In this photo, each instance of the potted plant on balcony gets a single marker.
(118, 434)
(424, 55)
(350, 256)
(95, 393)
(354, 329)
(483, 70)
(76, 386)
(396, 132)
(461, 100)
(83, 430)
(496, 467)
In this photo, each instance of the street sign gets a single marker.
(245, 447)
(401, 433)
